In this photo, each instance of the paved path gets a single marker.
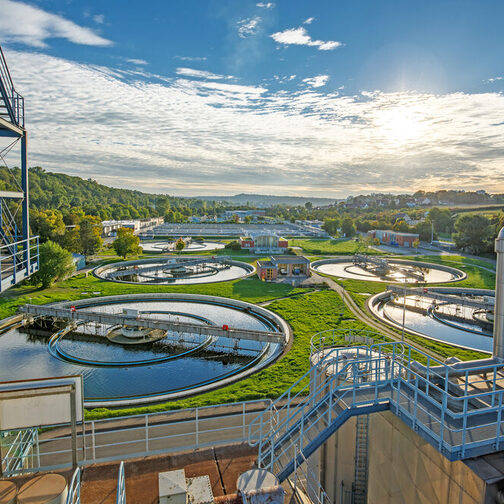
(372, 322)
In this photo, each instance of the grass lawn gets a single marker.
(247, 289)
(341, 246)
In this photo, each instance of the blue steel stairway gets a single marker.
(459, 413)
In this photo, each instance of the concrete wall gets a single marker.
(403, 468)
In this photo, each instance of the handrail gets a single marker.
(14, 102)
(121, 485)
(389, 372)
(73, 496)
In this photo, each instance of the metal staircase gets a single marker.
(18, 251)
(361, 459)
(458, 413)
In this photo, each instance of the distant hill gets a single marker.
(266, 201)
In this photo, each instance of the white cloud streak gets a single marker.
(136, 61)
(317, 81)
(309, 20)
(30, 25)
(216, 137)
(299, 36)
(265, 5)
(191, 58)
(248, 27)
(201, 74)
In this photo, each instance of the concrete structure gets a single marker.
(284, 266)
(388, 237)
(264, 243)
(110, 227)
(241, 214)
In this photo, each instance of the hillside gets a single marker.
(266, 201)
(57, 191)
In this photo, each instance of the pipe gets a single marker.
(498, 331)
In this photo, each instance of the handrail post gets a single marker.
(196, 420)
(147, 433)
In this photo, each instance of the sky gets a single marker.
(291, 97)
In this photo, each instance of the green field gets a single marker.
(331, 247)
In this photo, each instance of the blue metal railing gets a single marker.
(14, 102)
(18, 260)
(73, 496)
(457, 411)
(121, 486)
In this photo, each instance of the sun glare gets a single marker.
(400, 126)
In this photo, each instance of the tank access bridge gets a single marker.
(382, 267)
(132, 318)
(171, 264)
(483, 302)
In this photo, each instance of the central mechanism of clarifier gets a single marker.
(379, 269)
(176, 270)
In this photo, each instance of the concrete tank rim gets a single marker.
(160, 296)
(461, 275)
(99, 270)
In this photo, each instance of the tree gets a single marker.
(348, 227)
(48, 224)
(309, 206)
(401, 227)
(55, 263)
(331, 226)
(473, 233)
(248, 219)
(90, 235)
(126, 243)
(424, 230)
(441, 218)
(180, 245)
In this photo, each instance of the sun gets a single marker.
(400, 125)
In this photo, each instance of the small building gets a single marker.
(79, 261)
(395, 238)
(283, 266)
(264, 243)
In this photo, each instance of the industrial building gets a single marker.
(394, 238)
(283, 266)
(264, 243)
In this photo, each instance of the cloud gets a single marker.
(99, 18)
(248, 26)
(222, 138)
(136, 61)
(309, 20)
(30, 25)
(191, 58)
(265, 5)
(201, 74)
(493, 79)
(299, 36)
(317, 81)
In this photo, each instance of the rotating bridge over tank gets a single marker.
(379, 269)
(176, 270)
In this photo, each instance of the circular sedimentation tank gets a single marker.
(169, 246)
(175, 270)
(123, 368)
(454, 321)
(379, 269)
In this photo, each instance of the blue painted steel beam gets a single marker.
(314, 445)
(25, 203)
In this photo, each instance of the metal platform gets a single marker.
(459, 412)
(142, 321)
(461, 299)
